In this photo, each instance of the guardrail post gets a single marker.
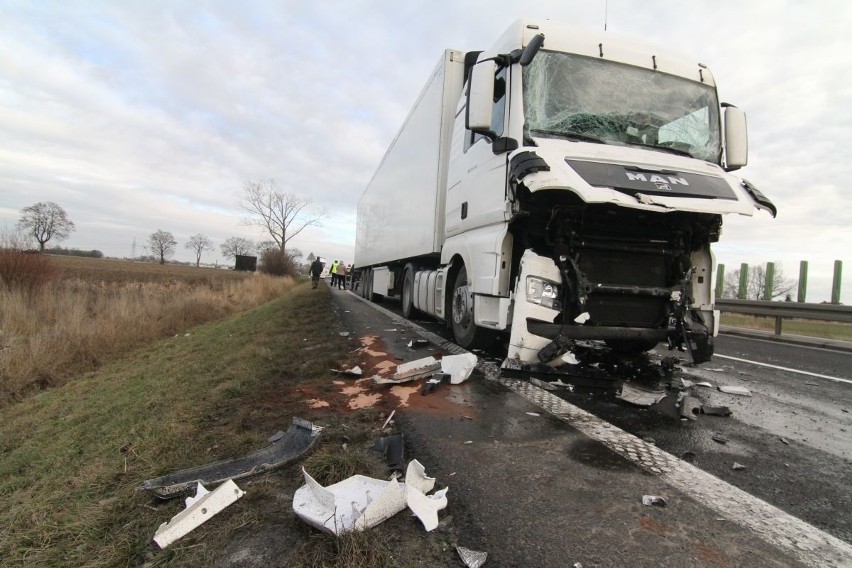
(803, 280)
(720, 280)
(742, 293)
(770, 277)
(835, 287)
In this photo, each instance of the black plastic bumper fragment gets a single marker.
(759, 198)
(527, 163)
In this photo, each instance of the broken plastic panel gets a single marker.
(361, 502)
(459, 367)
(741, 391)
(199, 509)
(411, 371)
(640, 397)
(299, 438)
(654, 501)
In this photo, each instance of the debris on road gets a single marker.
(471, 558)
(542, 384)
(654, 501)
(417, 343)
(582, 318)
(389, 418)
(639, 396)
(432, 384)
(738, 466)
(393, 448)
(353, 372)
(785, 441)
(730, 389)
(715, 410)
(690, 407)
(719, 437)
(533, 414)
(459, 367)
(298, 439)
(687, 384)
(411, 371)
(812, 383)
(199, 509)
(362, 502)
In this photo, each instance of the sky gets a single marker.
(136, 116)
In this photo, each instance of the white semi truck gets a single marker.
(563, 185)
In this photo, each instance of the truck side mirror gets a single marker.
(736, 138)
(480, 98)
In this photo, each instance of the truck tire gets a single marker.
(408, 309)
(461, 318)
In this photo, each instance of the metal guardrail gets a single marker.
(782, 310)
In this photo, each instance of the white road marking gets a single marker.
(799, 539)
(789, 370)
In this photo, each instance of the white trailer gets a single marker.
(562, 185)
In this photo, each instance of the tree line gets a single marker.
(280, 214)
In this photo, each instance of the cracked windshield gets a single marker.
(593, 100)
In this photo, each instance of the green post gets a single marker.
(835, 287)
(742, 293)
(803, 280)
(770, 277)
(720, 280)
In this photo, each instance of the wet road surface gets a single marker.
(535, 491)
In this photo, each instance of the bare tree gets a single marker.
(45, 221)
(162, 244)
(281, 214)
(199, 243)
(237, 246)
(756, 283)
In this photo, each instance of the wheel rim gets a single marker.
(462, 303)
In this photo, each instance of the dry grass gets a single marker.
(71, 325)
(823, 329)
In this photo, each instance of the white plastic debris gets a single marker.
(582, 318)
(640, 397)
(653, 500)
(362, 502)
(354, 371)
(729, 389)
(459, 367)
(411, 371)
(199, 509)
(471, 558)
(570, 358)
(356, 503)
(737, 466)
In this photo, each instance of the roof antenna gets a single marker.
(606, 12)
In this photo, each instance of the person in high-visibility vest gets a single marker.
(333, 271)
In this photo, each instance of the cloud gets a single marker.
(143, 115)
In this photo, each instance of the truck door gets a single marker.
(476, 184)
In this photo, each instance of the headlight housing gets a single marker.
(544, 293)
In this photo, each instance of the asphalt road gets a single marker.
(553, 478)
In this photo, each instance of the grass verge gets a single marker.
(823, 329)
(72, 457)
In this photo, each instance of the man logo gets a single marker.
(661, 182)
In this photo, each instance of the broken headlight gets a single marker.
(543, 293)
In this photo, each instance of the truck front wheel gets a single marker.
(464, 326)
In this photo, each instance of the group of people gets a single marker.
(338, 271)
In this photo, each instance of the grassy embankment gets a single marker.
(71, 457)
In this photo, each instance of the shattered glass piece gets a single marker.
(471, 558)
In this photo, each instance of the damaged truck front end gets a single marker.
(617, 196)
